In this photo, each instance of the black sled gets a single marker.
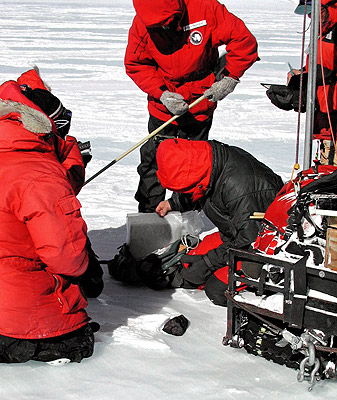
(288, 312)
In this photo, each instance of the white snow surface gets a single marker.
(79, 47)
(272, 303)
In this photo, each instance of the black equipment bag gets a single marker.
(156, 270)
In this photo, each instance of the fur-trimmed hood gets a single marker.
(23, 125)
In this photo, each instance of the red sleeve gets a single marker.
(329, 16)
(241, 45)
(139, 65)
(70, 157)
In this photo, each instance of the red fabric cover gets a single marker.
(42, 233)
(187, 70)
(277, 213)
(208, 243)
(184, 166)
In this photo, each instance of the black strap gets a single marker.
(295, 310)
(330, 3)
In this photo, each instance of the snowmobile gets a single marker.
(288, 310)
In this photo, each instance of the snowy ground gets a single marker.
(79, 46)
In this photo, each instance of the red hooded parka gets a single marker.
(327, 67)
(183, 60)
(42, 233)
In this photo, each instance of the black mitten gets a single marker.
(281, 96)
(92, 279)
(286, 97)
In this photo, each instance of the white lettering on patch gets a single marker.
(195, 25)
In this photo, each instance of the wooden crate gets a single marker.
(331, 244)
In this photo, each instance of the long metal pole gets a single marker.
(311, 88)
(152, 134)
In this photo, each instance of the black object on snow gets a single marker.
(95, 326)
(176, 326)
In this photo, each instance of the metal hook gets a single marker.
(303, 375)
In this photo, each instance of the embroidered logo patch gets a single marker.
(196, 38)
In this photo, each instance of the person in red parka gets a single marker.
(229, 185)
(173, 56)
(39, 92)
(43, 238)
(326, 101)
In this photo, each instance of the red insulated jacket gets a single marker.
(183, 60)
(42, 233)
(327, 59)
(327, 67)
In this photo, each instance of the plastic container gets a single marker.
(148, 232)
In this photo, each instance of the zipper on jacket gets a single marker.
(58, 284)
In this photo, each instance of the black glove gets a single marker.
(198, 271)
(92, 279)
(286, 98)
(85, 149)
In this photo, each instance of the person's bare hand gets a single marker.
(163, 208)
(295, 72)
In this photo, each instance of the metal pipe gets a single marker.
(311, 88)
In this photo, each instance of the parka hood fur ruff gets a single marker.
(33, 120)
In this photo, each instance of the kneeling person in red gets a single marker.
(229, 185)
(43, 238)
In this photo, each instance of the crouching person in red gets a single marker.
(229, 185)
(43, 239)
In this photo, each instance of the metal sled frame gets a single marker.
(294, 289)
